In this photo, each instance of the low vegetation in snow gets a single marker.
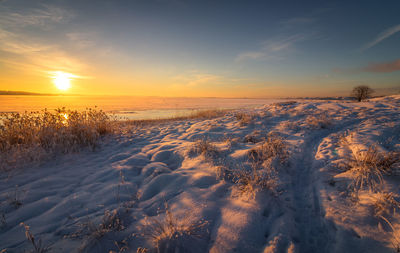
(31, 136)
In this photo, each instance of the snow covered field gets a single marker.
(284, 177)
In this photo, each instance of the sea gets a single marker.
(127, 107)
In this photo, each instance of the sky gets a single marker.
(183, 48)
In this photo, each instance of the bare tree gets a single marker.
(361, 92)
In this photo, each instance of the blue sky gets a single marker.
(201, 48)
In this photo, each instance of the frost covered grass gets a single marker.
(249, 182)
(92, 233)
(272, 148)
(204, 147)
(198, 114)
(262, 175)
(368, 168)
(31, 136)
(171, 234)
(111, 221)
(320, 121)
(385, 204)
(244, 118)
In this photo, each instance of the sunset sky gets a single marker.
(200, 48)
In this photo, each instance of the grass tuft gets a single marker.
(385, 204)
(244, 118)
(320, 121)
(111, 221)
(249, 182)
(204, 147)
(274, 147)
(37, 244)
(368, 168)
(171, 234)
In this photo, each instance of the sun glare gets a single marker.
(62, 80)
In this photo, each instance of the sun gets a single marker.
(62, 80)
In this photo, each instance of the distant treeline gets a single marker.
(5, 92)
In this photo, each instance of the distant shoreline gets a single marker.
(24, 93)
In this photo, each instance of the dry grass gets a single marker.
(273, 148)
(249, 182)
(385, 205)
(283, 104)
(204, 147)
(244, 118)
(319, 121)
(122, 246)
(254, 137)
(111, 221)
(290, 125)
(170, 234)
(223, 173)
(368, 168)
(30, 136)
(37, 244)
(199, 114)
(3, 221)
(15, 199)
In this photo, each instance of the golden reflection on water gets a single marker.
(121, 103)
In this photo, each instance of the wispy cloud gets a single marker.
(195, 78)
(33, 53)
(273, 48)
(81, 40)
(382, 36)
(383, 67)
(297, 21)
(250, 55)
(380, 67)
(44, 17)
